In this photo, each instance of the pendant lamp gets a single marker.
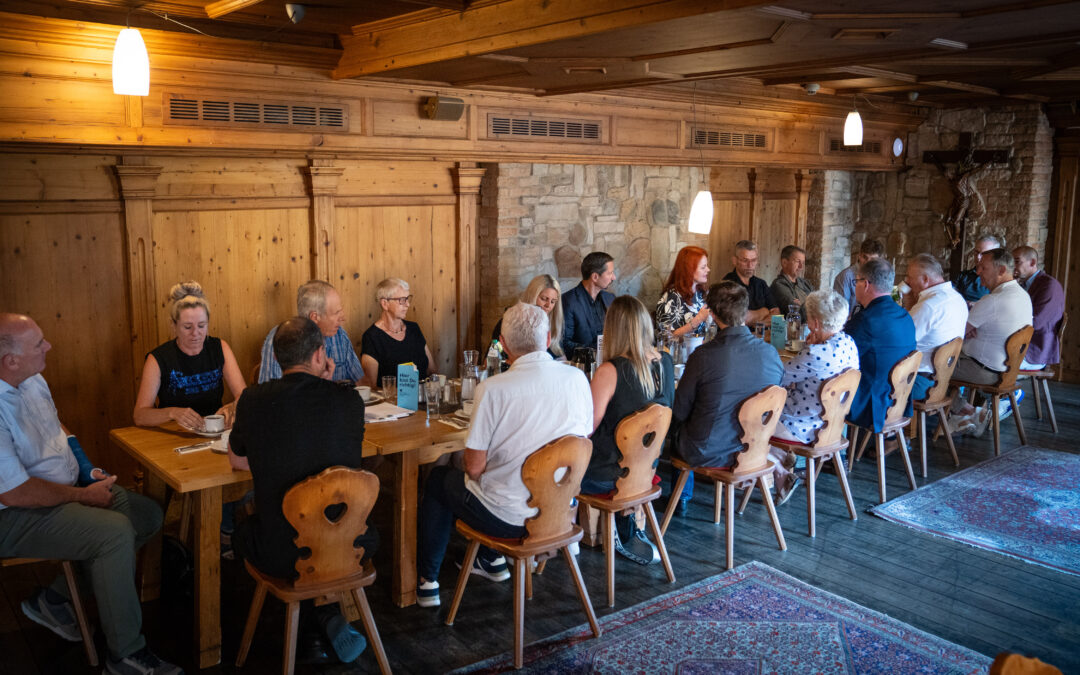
(853, 126)
(701, 211)
(131, 64)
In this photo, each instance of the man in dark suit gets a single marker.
(585, 305)
(884, 334)
(1047, 304)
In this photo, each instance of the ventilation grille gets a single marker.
(727, 138)
(872, 147)
(191, 111)
(523, 128)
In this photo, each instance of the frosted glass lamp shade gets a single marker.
(701, 213)
(130, 64)
(853, 129)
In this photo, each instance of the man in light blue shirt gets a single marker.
(53, 504)
(844, 283)
(320, 302)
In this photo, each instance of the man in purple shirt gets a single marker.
(1047, 304)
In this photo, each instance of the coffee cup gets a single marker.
(364, 391)
(467, 407)
(214, 423)
(797, 345)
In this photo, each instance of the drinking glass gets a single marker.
(389, 388)
(472, 357)
(759, 329)
(432, 392)
(470, 375)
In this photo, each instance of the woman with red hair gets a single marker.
(681, 309)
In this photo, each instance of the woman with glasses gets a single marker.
(392, 340)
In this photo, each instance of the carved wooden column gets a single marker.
(755, 205)
(324, 185)
(467, 179)
(802, 202)
(137, 186)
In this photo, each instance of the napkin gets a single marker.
(455, 422)
(384, 412)
(221, 444)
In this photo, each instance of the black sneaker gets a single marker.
(638, 548)
(57, 617)
(142, 662)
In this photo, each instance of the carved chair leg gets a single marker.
(943, 423)
(673, 499)
(996, 422)
(862, 445)
(1038, 397)
(80, 613)
(1049, 403)
(879, 440)
(372, 631)
(811, 481)
(922, 440)
(841, 475)
(575, 572)
(252, 621)
(292, 624)
(528, 578)
(540, 567)
(609, 554)
(772, 514)
(1016, 416)
(747, 493)
(718, 492)
(463, 578)
(729, 526)
(907, 460)
(650, 518)
(519, 611)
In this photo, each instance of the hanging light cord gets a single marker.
(165, 17)
(701, 151)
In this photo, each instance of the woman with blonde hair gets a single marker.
(186, 376)
(544, 292)
(633, 375)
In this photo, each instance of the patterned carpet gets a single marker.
(1024, 504)
(753, 619)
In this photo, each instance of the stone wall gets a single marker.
(906, 210)
(544, 218)
(829, 226)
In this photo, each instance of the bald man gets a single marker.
(53, 504)
(1047, 304)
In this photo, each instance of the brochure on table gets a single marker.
(408, 386)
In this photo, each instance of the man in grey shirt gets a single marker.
(789, 287)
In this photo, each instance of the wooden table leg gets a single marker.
(405, 512)
(207, 512)
(148, 578)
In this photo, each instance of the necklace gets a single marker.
(396, 331)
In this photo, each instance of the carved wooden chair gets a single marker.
(330, 564)
(758, 416)
(1015, 349)
(836, 396)
(1041, 378)
(639, 437)
(76, 602)
(551, 530)
(902, 379)
(937, 400)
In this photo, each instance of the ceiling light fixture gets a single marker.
(853, 126)
(130, 64)
(948, 44)
(701, 211)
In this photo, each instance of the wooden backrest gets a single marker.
(944, 362)
(640, 437)
(836, 394)
(552, 490)
(1015, 349)
(255, 373)
(902, 379)
(327, 550)
(758, 416)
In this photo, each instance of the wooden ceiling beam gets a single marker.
(431, 36)
(1061, 62)
(454, 5)
(223, 7)
(811, 76)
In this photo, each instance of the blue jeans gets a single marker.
(445, 497)
(921, 387)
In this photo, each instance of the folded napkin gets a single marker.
(384, 412)
(221, 444)
(455, 422)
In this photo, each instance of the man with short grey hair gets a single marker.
(761, 301)
(844, 283)
(884, 334)
(790, 287)
(320, 302)
(515, 413)
(967, 283)
(939, 314)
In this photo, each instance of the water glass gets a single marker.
(472, 357)
(432, 393)
(470, 375)
(759, 329)
(389, 388)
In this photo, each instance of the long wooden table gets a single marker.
(211, 481)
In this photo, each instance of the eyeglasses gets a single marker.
(401, 301)
(858, 279)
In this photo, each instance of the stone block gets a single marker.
(568, 261)
(548, 212)
(660, 242)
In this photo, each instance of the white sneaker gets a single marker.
(427, 594)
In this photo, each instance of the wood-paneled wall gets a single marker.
(1064, 250)
(249, 230)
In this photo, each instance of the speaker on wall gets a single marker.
(445, 108)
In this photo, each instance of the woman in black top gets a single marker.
(187, 375)
(392, 340)
(633, 375)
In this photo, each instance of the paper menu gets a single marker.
(408, 386)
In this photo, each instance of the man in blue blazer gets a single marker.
(884, 334)
(585, 305)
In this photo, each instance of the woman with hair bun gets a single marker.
(186, 376)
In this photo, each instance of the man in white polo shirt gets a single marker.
(516, 412)
(940, 315)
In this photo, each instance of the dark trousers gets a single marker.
(446, 498)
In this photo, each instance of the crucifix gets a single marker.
(969, 164)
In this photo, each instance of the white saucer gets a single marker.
(204, 434)
(374, 398)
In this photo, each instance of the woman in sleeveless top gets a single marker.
(681, 308)
(633, 375)
(186, 376)
(392, 340)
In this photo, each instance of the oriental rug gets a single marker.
(753, 619)
(1024, 504)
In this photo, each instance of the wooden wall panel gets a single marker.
(777, 230)
(250, 264)
(66, 271)
(1066, 249)
(731, 222)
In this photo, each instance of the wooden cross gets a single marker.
(969, 163)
